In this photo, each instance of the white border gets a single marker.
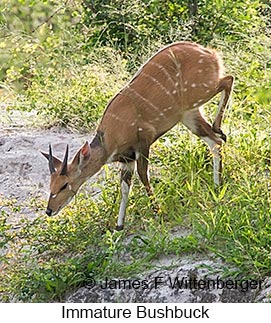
(52, 313)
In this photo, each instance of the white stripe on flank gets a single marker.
(156, 108)
(115, 117)
(162, 68)
(156, 82)
(174, 59)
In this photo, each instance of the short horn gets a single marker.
(51, 161)
(65, 162)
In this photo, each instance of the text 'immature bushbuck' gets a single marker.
(169, 88)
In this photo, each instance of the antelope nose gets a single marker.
(49, 211)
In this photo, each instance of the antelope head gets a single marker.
(65, 177)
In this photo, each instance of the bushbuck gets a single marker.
(169, 88)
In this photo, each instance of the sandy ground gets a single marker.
(24, 172)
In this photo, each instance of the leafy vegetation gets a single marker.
(66, 59)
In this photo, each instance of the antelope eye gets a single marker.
(64, 187)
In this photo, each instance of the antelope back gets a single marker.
(180, 77)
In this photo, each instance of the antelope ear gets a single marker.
(57, 162)
(82, 155)
(85, 150)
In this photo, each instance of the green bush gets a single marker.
(74, 95)
(130, 25)
(31, 33)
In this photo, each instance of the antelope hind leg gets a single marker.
(225, 87)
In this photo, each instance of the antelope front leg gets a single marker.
(127, 170)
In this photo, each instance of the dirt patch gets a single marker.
(24, 172)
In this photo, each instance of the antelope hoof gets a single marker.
(223, 136)
(220, 133)
(119, 227)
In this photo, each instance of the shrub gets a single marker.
(75, 95)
